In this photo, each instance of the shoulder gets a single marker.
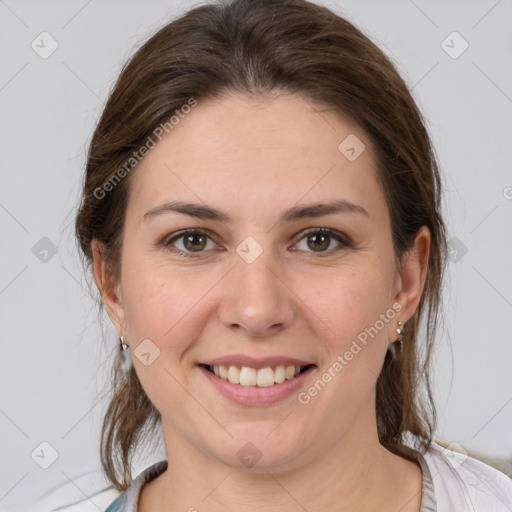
(129, 499)
(464, 483)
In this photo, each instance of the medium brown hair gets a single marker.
(255, 48)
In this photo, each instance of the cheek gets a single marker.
(350, 300)
(170, 313)
(355, 307)
(166, 307)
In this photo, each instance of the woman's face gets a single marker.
(257, 280)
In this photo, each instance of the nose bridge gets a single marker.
(256, 298)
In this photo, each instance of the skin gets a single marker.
(253, 159)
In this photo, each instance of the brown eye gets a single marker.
(319, 241)
(190, 241)
(196, 242)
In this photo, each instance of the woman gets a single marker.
(261, 213)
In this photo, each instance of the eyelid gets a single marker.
(168, 241)
(341, 238)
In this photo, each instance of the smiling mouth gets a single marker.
(262, 377)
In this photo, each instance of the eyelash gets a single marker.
(342, 239)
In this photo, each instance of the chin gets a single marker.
(260, 447)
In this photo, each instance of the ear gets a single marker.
(110, 294)
(411, 277)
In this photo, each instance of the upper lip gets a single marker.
(256, 362)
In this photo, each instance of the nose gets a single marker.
(257, 300)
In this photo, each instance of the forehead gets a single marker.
(260, 154)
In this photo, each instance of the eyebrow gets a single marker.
(291, 215)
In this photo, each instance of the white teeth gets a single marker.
(223, 372)
(280, 374)
(233, 375)
(263, 377)
(247, 376)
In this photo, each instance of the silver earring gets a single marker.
(126, 356)
(400, 340)
(400, 333)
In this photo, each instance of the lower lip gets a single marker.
(254, 395)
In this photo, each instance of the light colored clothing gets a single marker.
(452, 482)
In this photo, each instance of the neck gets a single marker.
(355, 474)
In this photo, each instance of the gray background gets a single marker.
(53, 360)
